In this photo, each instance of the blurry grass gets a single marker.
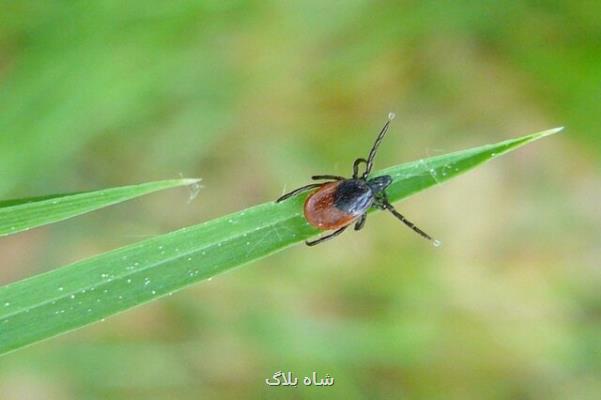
(53, 106)
(98, 69)
(87, 291)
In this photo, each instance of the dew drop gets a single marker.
(194, 190)
(437, 243)
(7, 304)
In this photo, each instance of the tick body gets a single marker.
(336, 204)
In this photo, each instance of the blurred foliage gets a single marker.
(255, 95)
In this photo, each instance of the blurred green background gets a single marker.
(256, 96)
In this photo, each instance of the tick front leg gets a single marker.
(299, 190)
(356, 164)
(326, 237)
(384, 204)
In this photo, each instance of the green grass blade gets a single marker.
(22, 214)
(87, 291)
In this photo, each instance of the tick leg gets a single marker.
(326, 237)
(334, 177)
(356, 166)
(299, 190)
(385, 205)
(374, 149)
(359, 225)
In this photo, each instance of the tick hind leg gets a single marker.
(361, 223)
(332, 177)
(326, 237)
(299, 190)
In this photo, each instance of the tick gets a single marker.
(336, 204)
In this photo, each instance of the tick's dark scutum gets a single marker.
(353, 196)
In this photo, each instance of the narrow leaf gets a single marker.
(92, 289)
(22, 214)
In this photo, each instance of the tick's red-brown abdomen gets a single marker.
(321, 212)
